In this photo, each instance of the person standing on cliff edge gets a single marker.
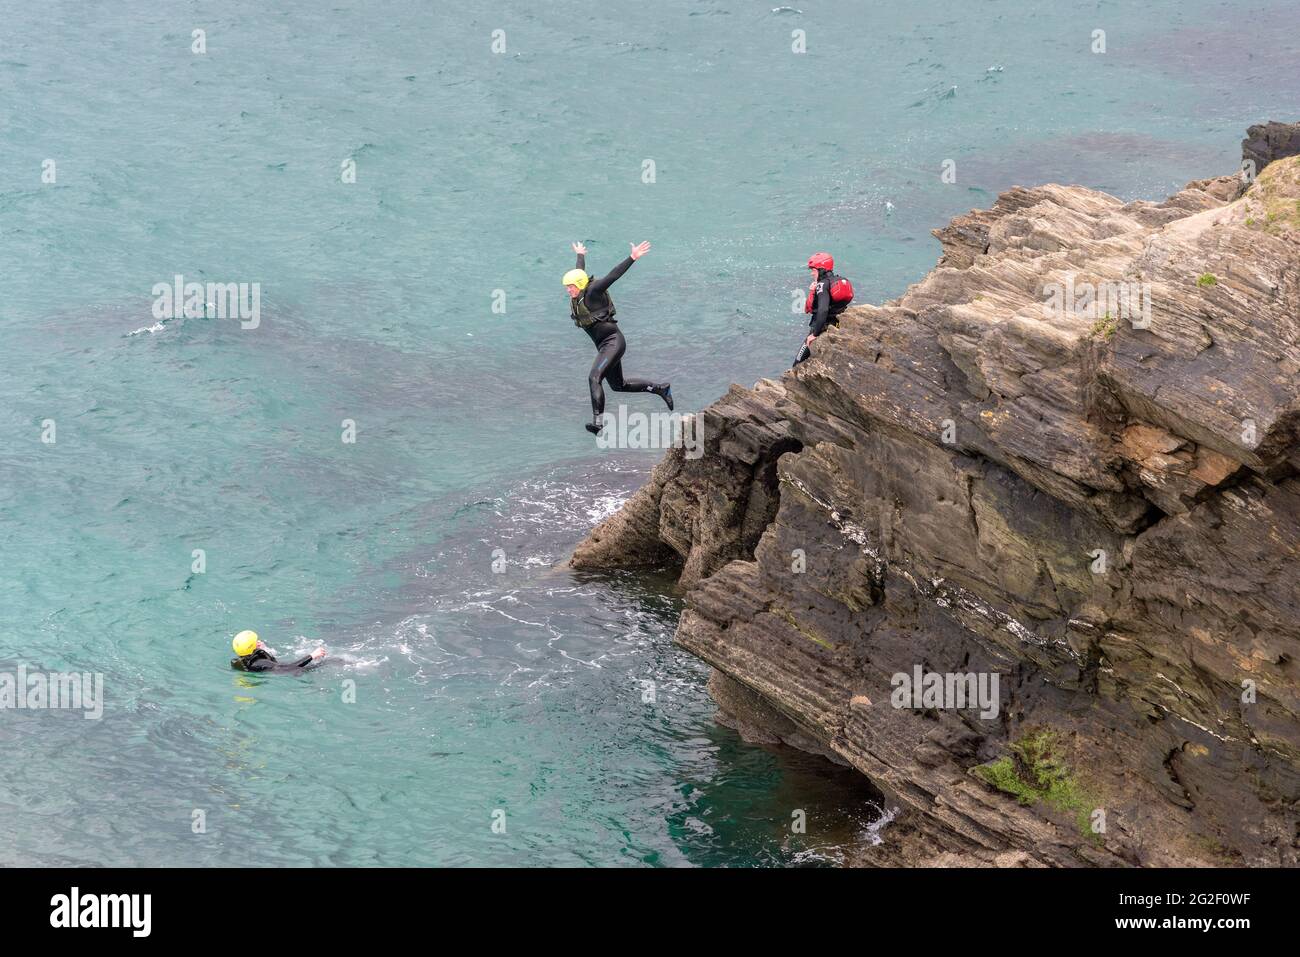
(828, 296)
(592, 311)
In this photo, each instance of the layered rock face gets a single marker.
(1070, 458)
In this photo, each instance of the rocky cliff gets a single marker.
(1068, 457)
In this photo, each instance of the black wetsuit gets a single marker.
(825, 310)
(262, 660)
(610, 344)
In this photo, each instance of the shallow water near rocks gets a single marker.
(522, 690)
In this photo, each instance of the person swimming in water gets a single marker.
(592, 311)
(253, 655)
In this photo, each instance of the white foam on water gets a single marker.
(156, 327)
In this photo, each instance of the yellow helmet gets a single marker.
(576, 277)
(245, 643)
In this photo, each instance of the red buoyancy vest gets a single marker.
(841, 292)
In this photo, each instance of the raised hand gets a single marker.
(640, 250)
(580, 249)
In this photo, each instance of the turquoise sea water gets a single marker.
(475, 691)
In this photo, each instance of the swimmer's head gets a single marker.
(245, 643)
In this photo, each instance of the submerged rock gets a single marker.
(1068, 457)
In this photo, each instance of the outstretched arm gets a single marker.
(581, 250)
(312, 658)
(302, 663)
(600, 285)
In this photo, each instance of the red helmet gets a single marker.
(821, 261)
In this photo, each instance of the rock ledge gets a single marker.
(1099, 502)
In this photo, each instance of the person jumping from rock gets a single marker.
(593, 311)
(828, 296)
